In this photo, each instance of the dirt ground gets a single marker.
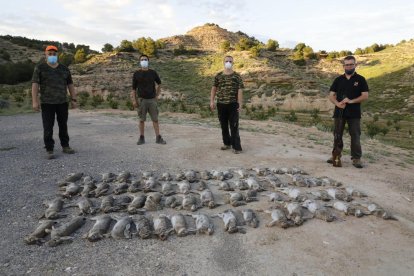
(107, 143)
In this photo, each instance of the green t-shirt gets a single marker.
(227, 87)
(53, 82)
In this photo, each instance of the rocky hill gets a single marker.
(206, 37)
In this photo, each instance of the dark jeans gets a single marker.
(48, 118)
(229, 116)
(354, 128)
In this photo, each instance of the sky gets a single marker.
(323, 25)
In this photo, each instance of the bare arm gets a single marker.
(212, 96)
(134, 99)
(240, 99)
(157, 90)
(72, 93)
(35, 96)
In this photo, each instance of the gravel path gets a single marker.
(367, 246)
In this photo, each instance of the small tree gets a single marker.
(126, 46)
(272, 45)
(80, 56)
(107, 48)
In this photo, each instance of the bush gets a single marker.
(255, 51)
(299, 62)
(292, 116)
(315, 116)
(13, 73)
(373, 130)
(145, 46)
(129, 105)
(181, 50)
(272, 45)
(5, 55)
(107, 48)
(18, 98)
(83, 98)
(225, 46)
(125, 46)
(80, 56)
(96, 100)
(113, 104)
(66, 58)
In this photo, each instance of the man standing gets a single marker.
(146, 88)
(228, 88)
(53, 80)
(346, 93)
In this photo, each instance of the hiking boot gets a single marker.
(68, 150)
(237, 151)
(225, 147)
(159, 140)
(357, 163)
(141, 140)
(50, 155)
(336, 161)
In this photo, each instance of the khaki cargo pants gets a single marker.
(148, 106)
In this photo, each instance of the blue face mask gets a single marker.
(349, 71)
(52, 59)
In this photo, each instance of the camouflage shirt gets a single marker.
(227, 87)
(53, 82)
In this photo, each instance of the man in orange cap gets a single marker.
(53, 80)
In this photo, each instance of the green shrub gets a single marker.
(272, 45)
(225, 46)
(80, 56)
(18, 98)
(96, 100)
(373, 129)
(299, 62)
(113, 104)
(129, 105)
(292, 117)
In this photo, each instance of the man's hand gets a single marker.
(135, 104)
(239, 108)
(346, 101)
(36, 106)
(212, 106)
(341, 105)
(74, 105)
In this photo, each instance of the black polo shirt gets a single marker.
(350, 89)
(143, 82)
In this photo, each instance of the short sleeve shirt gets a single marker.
(143, 82)
(53, 82)
(350, 89)
(227, 87)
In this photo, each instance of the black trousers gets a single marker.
(229, 118)
(48, 118)
(354, 129)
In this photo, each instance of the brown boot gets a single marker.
(336, 161)
(357, 163)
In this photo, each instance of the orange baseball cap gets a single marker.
(51, 48)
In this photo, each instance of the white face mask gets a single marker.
(144, 63)
(228, 65)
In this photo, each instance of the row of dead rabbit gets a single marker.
(291, 206)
